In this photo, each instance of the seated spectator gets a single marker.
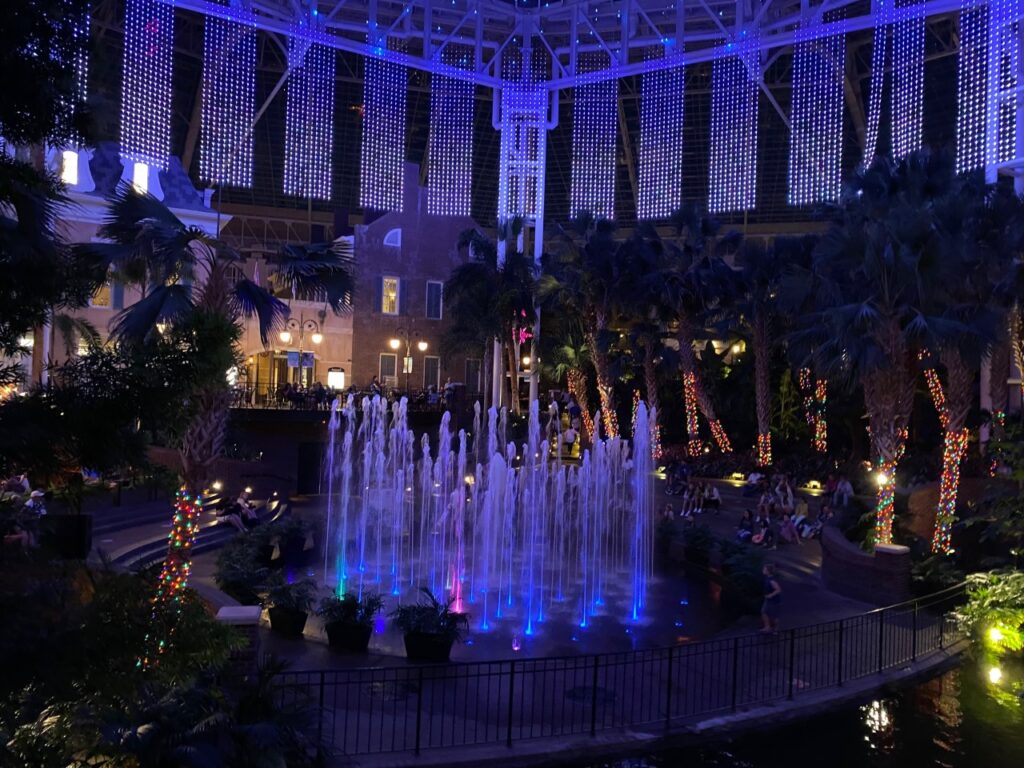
(784, 495)
(766, 505)
(246, 509)
(668, 513)
(764, 534)
(843, 492)
(712, 498)
(232, 513)
(36, 503)
(788, 531)
(745, 529)
(753, 484)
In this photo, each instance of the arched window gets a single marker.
(394, 238)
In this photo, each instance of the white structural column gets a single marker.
(523, 119)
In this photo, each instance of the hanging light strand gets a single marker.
(734, 98)
(309, 115)
(660, 149)
(594, 133)
(972, 69)
(229, 98)
(450, 159)
(146, 82)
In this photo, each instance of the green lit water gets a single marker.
(959, 720)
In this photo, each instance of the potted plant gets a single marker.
(240, 573)
(288, 605)
(430, 627)
(348, 620)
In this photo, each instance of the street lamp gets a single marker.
(396, 344)
(300, 326)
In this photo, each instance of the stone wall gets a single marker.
(881, 578)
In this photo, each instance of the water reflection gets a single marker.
(957, 720)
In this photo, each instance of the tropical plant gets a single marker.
(870, 293)
(240, 570)
(295, 596)
(350, 609)
(565, 355)
(584, 277)
(150, 247)
(994, 612)
(430, 616)
(490, 298)
(762, 266)
(981, 234)
(694, 283)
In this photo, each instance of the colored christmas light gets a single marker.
(807, 394)
(816, 141)
(309, 115)
(764, 449)
(450, 159)
(954, 449)
(594, 132)
(634, 408)
(174, 574)
(1002, 96)
(660, 149)
(931, 376)
(885, 477)
(820, 416)
(229, 99)
(609, 420)
(972, 68)
(146, 82)
(733, 163)
(721, 439)
(908, 35)
(690, 400)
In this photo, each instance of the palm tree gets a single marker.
(982, 235)
(762, 267)
(150, 247)
(566, 355)
(585, 278)
(490, 298)
(694, 282)
(870, 290)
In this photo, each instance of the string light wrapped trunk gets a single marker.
(688, 365)
(820, 416)
(956, 405)
(762, 388)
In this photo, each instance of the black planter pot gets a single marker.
(420, 646)
(67, 536)
(351, 638)
(287, 621)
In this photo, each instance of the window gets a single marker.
(435, 291)
(389, 296)
(102, 297)
(393, 238)
(389, 368)
(473, 370)
(140, 178)
(69, 167)
(431, 372)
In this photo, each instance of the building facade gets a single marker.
(402, 262)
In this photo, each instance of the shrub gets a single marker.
(298, 595)
(349, 609)
(431, 617)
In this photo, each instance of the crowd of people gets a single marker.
(26, 506)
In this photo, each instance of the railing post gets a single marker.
(942, 631)
(839, 662)
(913, 635)
(593, 700)
(511, 696)
(735, 670)
(792, 661)
(419, 710)
(668, 690)
(320, 718)
(881, 640)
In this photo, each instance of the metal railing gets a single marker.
(412, 708)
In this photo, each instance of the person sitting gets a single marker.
(766, 505)
(752, 486)
(668, 513)
(745, 529)
(712, 498)
(764, 535)
(784, 495)
(246, 509)
(843, 492)
(788, 531)
(36, 504)
(231, 513)
(812, 530)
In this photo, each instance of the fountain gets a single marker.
(508, 532)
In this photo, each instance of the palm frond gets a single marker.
(251, 300)
(163, 304)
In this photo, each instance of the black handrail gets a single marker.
(466, 703)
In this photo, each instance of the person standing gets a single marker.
(772, 600)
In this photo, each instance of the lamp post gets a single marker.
(299, 327)
(396, 344)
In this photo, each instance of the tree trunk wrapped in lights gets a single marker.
(690, 400)
(691, 379)
(602, 369)
(820, 416)
(577, 382)
(889, 397)
(956, 405)
(762, 391)
(653, 401)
